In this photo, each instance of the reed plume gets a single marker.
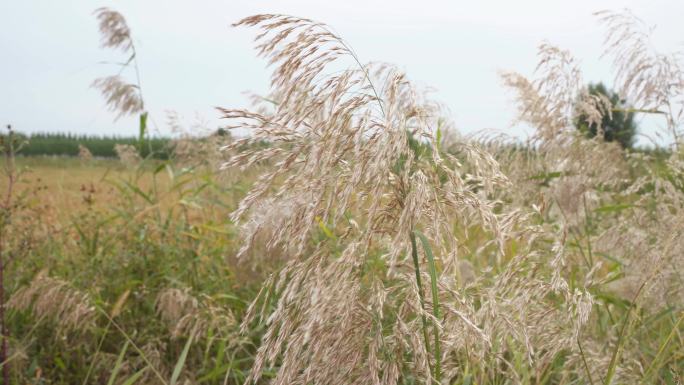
(652, 80)
(122, 97)
(358, 166)
(56, 300)
(190, 316)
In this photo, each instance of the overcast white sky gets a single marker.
(191, 60)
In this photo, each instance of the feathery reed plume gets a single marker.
(649, 238)
(653, 81)
(56, 300)
(114, 30)
(583, 179)
(347, 134)
(84, 154)
(127, 154)
(121, 97)
(197, 144)
(190, 316)
(356, 159)
(575, 167)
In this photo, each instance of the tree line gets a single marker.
(65, 144)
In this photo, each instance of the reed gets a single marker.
(354, 237)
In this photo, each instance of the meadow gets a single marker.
(355, 236)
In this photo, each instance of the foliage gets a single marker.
(99, 146)
(617, 125)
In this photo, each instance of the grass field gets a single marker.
(354, 237)
(107, 245)
(139, 263)
(64, 183)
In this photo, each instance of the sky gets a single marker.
(192, 61)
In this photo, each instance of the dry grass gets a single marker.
(354, 238)
(67, 186)
(357, 155)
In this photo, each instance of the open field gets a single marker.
(354, 236)
(138, 262)
(101, 242)
(69, 185)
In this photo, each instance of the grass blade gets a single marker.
(435, 302)
(618, 348)
(181, 362)
(118, 364)
(416, 266)
(657, 359)
(129, 340)
(135, 377)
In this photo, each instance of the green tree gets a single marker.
(618, 126)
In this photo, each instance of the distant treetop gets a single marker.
(618, 126)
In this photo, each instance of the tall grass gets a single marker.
(357, 153)
(353, 237)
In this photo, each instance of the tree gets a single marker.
(618, 126)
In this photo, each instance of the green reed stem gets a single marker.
(416, 265)
(435, 303)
